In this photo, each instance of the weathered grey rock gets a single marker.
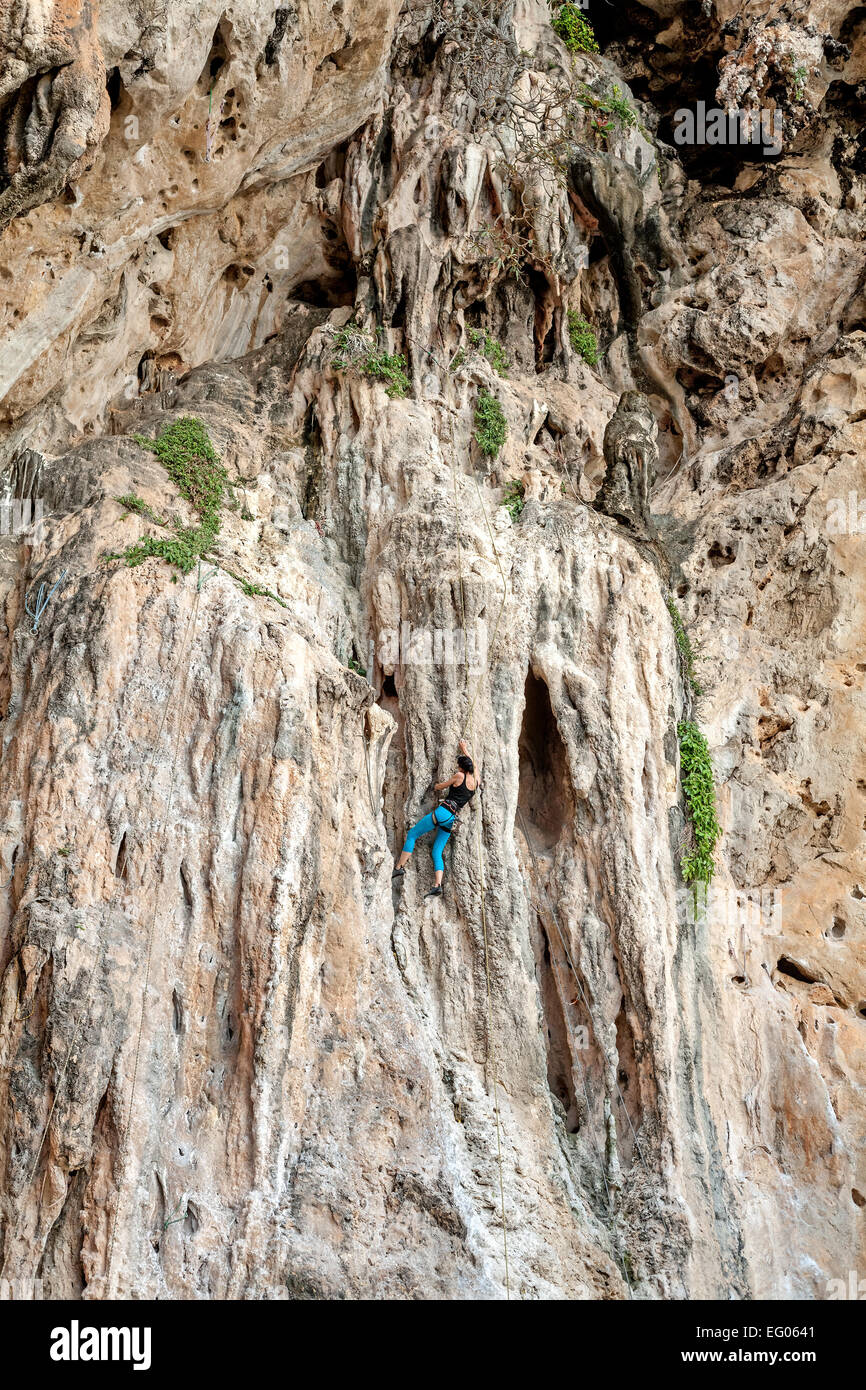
(200, 774)
(631, 455)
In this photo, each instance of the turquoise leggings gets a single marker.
(439, 820)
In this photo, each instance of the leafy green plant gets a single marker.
(513, 501)
(609, 110)
(190, 460)
(490, 348)
(186, 453)
(357, 667)
(490, 425)
(574, 30)
(390, 368)
(582, 337)
(799, 75)
(353, 347)
(696, 771)
(684, 645)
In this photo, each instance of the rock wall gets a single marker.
(235, 1060)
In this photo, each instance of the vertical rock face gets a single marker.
(630, 454)
(353, 241)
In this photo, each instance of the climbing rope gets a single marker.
(369, 777)
(576, 1050)
(480, 849)
(42, 600)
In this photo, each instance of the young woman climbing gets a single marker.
(463, 786)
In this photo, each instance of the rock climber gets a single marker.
(464, 785)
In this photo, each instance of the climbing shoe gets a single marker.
(435, 892)
(398, 873)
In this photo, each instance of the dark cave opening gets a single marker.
(560, 1062)
(788, 967)
(114, 87)
(545, 796)
(628, 1114)
(396, 768)
(327, 293)
(278, 33)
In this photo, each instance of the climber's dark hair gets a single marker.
(466, 764)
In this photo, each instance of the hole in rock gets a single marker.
(720, 555)
(114, 87)
(839, 928)
(341, 57)
(333, 166)
(857, 1198)
(328, 292)
(186, 884)
(120, 859)
(545, 795)
(312, 436)
(788, 967)
(389, 689)
(560, 1063)
(219, 53)
(278, 33)
(861, 1008)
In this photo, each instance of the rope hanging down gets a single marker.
(479, 840)
(576, 1051)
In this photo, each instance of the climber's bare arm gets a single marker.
(452, 782)
(477, 774)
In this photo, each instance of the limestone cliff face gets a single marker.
(235, 1061)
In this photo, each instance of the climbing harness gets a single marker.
(42, 600)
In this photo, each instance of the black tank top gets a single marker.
(460, 796)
